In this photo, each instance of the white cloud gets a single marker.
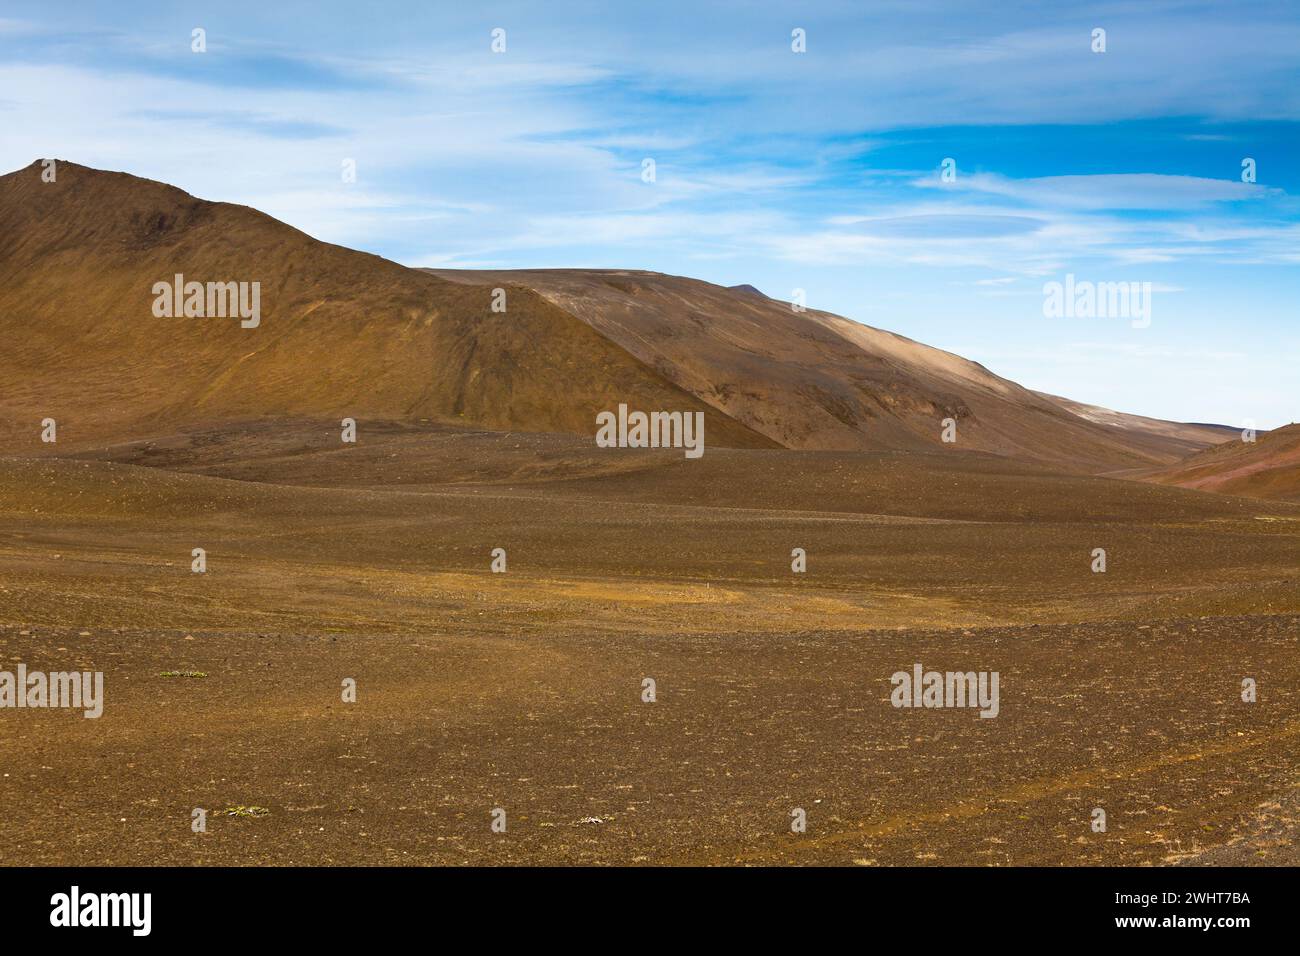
(1108, 191)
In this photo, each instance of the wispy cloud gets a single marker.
(817, 170)
(1108, 191)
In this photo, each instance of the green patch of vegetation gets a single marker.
(243, 812)
(183, 674)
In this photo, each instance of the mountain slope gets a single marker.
(342, 333)
(347, 334)
(1268, 467)
(1190, 437)
(815, 380)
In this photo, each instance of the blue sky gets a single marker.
(817, 171)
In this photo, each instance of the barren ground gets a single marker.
(522, 690)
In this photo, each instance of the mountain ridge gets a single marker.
(818, 381)
(348, 334)
(343, 333)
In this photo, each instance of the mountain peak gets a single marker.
(341, 333)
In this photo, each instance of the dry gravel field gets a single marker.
(523, 690)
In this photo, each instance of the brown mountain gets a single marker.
(347, 334)
(1268, 467)
(1185, 437)
(342, 333)
(814, 380)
